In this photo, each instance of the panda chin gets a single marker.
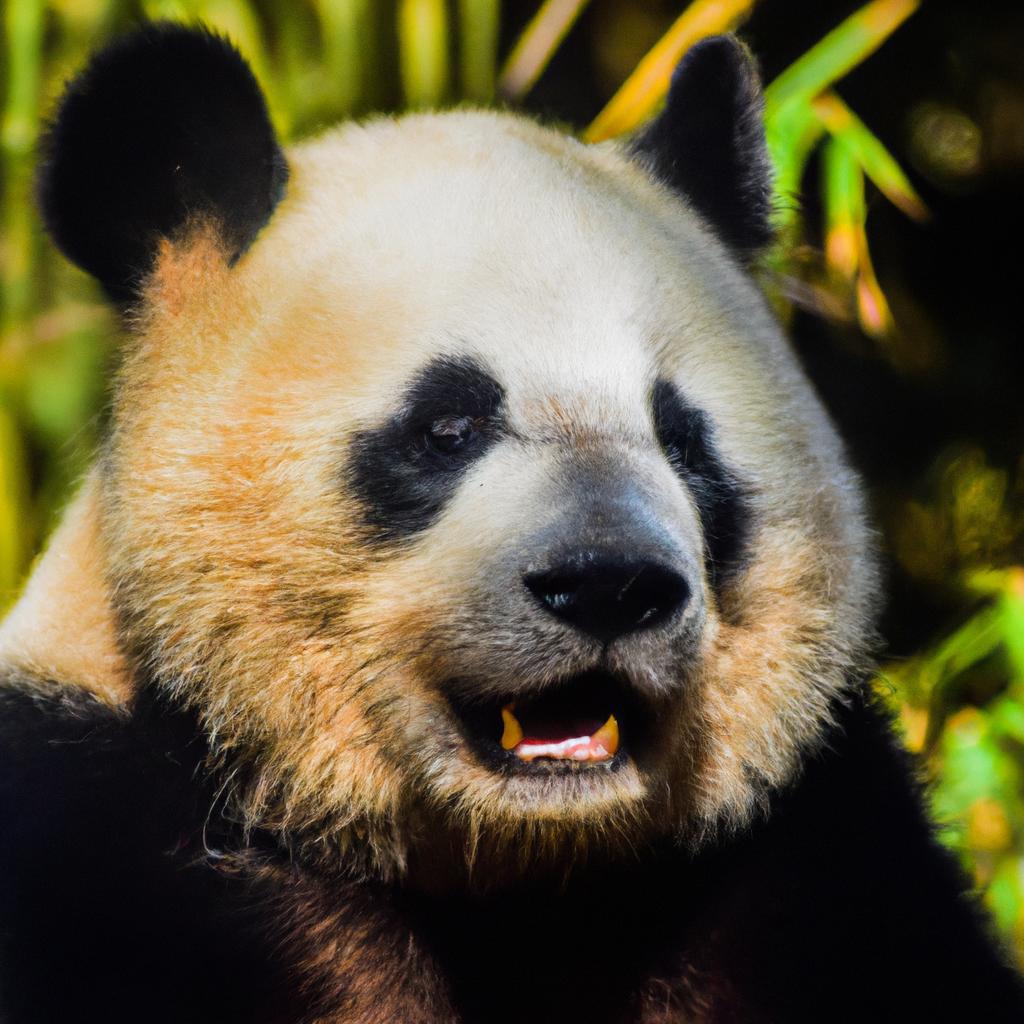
(588, 722)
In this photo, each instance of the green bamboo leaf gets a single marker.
(845, 211)
(423, 51)
(976, 639)
(973, 769)
(1011, 609)
(792, 134)
(875, 160)
(1007, 718)
(846, 241)
(842, 49)
(1004, 895)
(478, 51)
(932, 673)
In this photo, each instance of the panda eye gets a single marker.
(450, 435)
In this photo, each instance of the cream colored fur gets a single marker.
(62, 630)
(234, 550)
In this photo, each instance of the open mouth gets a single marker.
(588, 720)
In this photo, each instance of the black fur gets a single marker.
(396, 470)
(686, 436)
(115, 905)
(109, 910)
(165, 125)
(708, 143)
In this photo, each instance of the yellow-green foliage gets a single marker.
(961, 701)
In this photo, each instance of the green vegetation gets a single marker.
(961, 699)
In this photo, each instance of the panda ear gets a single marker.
(708, 143)
(164, 127)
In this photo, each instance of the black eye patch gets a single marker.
(404, 471)
(686, 436)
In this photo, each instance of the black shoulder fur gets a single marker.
(126, 896)
(109, 910)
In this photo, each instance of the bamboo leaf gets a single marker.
(478, 52)
(873, 310)
(875, 160)
(1012, 607)
(843, 191)
(423, 51)
(977, 638)
(647, 85)
(842, 49)
(791, 135)
(846, 241)
(537, 45)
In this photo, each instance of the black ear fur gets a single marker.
(708, 143)
(165, 125)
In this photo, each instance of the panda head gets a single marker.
(458, 476)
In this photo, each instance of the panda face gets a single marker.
(469, 492)
(486, 426)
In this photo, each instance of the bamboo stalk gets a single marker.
(423, 51)
(478, 51)
(342, 25)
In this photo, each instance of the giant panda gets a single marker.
(468, 615)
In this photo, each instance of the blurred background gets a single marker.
(897, 130)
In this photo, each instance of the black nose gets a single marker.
(608, 596)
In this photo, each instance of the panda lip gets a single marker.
(585, 721)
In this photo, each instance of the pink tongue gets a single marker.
(579, 748)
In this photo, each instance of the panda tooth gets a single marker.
(512, 733)
(608, 736)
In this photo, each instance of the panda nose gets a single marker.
(608, 596)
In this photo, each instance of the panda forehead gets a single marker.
(488, 206)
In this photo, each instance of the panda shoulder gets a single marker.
(72, 765)
(112, 906)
